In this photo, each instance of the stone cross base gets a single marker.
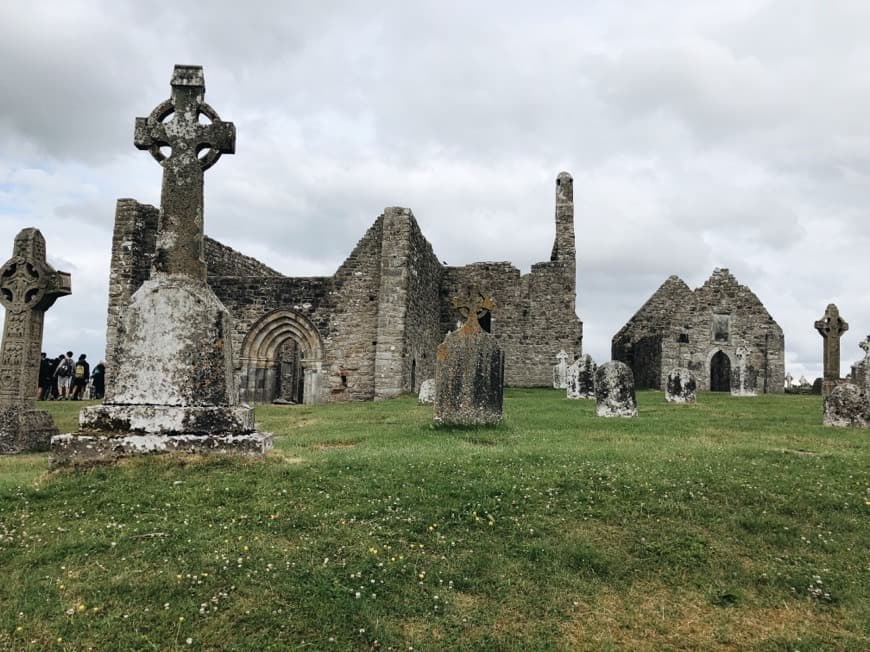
(83, 450)
(847, 406)
(23, 430)
(167, 419)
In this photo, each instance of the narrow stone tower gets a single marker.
(564, 249)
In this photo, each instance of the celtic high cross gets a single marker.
(195, 147)
(28, 287)
(831, 327)
(475, 304)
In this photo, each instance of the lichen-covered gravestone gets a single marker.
(560, 371)
(848, 404)
(427, 392)
(173, 385)
(28, 287)
(831, 327)
(581, 378)
(743, 375)
(681, 386)
(614, 390)
(469, 371)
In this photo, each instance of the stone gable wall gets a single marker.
(680, 326)
(225, 261)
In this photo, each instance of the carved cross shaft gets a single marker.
(28, 287)
(831, 327)
(472, 306)
(195, 147)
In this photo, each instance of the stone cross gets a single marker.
(831, 327)
(561, 357)
(28, 287)
(865, 346)
(195, 147)
(471, 306)
(788, 380)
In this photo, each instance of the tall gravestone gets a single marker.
(831, 327)
(743, 375)
(469, 370)
(173, 385)
(28, 287)
(614, 390)
(560, 371)
(581, 378)
(681, 386)
(789, 379)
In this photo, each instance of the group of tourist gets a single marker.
(66, 379)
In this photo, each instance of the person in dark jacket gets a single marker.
(98, 376)
(46, 378)
(81, 376)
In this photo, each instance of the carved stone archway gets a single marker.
(261, 357)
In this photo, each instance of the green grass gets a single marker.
(731, 524)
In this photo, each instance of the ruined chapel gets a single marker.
(369, 331)
(703, 330)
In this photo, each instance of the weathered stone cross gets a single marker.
(195, 148)
(831, 327)
(28, 287)
(471, 306)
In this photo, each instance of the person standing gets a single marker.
(46, 369)
(81, 376)
(98, 376)
(64, 373)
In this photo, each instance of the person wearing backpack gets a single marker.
(81, 375)
(64, 373)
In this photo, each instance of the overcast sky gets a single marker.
(699, 134)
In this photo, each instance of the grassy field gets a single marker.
(732, 524)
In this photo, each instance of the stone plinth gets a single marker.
(83, 450)
(427, 392)
(23, 429)
(614, 390)
(847, 406)
(681, 386)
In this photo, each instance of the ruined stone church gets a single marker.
(369, 331)
(702, 330)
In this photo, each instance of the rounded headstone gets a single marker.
(681, 386)
(427, 392)
(614, 390)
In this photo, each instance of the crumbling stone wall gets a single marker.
(688, 327)
(388, 306)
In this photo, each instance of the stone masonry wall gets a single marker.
(225, 261)
(134, 240)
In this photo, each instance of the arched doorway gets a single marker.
(282, 358)
(720, 372)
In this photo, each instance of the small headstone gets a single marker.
(427, 392)
(28, 287)
(469, 370)
(818, 386)
(743, 374)
(681, 386)
(614, 390)
(560, 371)
(831, 327)
(581, 378)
